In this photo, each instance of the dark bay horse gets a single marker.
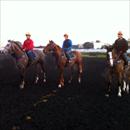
(62, 61)
(15, 48)
(115, 68)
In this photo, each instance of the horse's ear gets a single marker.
(9, 40)
(52, 41)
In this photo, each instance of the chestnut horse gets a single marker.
(22, 60)
(62, 61)
(115, 68)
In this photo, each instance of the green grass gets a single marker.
(94, 54)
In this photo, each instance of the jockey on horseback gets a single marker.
(121, 47)
(67, 46)
(28, 46)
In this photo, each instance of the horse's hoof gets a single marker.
(37, 79)
(21, 86)
(127, 90)
(79, 80)
(123, 89)
(44, 80)
(69, 81)
(107, 95)
(119, 94)
(59, 86)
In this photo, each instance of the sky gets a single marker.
(49, 20)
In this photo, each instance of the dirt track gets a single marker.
(75, 107)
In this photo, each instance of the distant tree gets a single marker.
(75, 46)
(98, 41)
(88, 45)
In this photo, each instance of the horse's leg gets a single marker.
(109, 83)
(22, 85)
(124, 85)
(61, 78)
(43, 71)
(39, 73)
(71, 74)
(108, 88)
(80, 67)
(120, 84)
(127, 86)
(36, 74)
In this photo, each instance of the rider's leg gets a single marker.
(68, 56)
(31, 55)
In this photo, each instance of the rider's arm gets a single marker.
(31, 45)
(70, 45)
(125, 48)
(114, 44)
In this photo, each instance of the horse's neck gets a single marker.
(114, 54)
(18, 51)
(58, 52)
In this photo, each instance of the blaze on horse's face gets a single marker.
(110, 59)
(49, 48)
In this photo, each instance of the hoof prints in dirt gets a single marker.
(76, 106)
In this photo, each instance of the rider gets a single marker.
(121, 47)
(28, 46)
(67, 46)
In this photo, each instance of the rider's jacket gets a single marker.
(28, 45)
(121, 45)
(67, 45)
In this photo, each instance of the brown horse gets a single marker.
(115, 68)
(62, 61)
(22, 60)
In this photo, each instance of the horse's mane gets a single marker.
(108, 47)
(52, 42)
(18, 43)
(58, 46)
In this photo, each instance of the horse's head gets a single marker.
(51, 47)
(107, 47)
(113, 56)
(111, 61)
(12, 47)
(8, 48)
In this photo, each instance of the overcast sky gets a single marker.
(49, 20)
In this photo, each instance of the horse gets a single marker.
(115, 68)
(62, 61)
(14, 48)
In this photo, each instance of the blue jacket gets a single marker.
(67, 45)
